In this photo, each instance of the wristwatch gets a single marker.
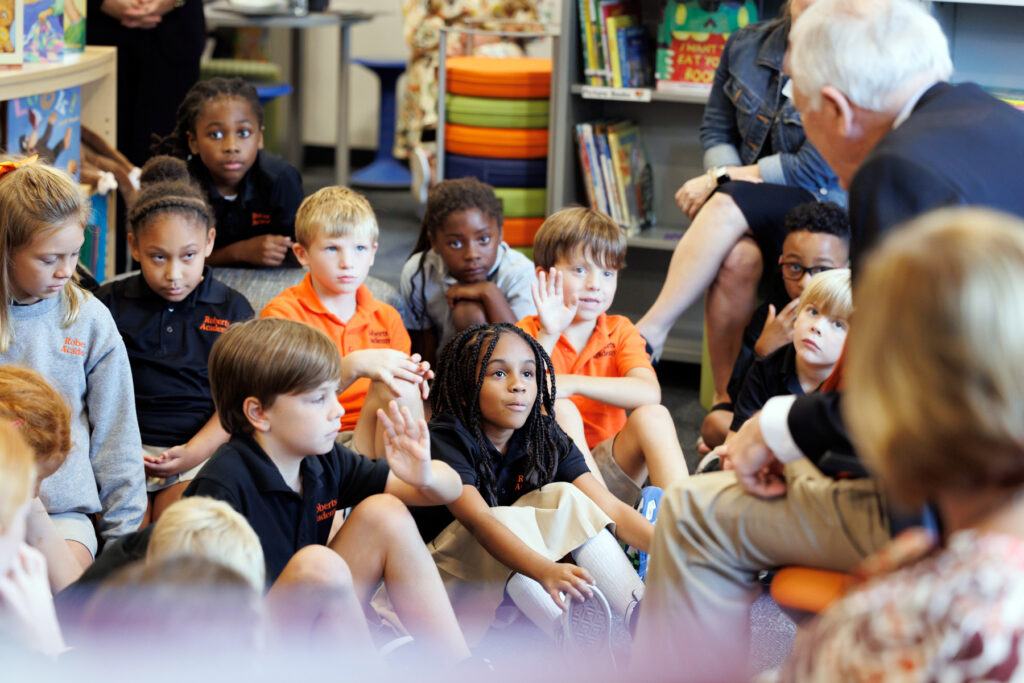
(178, 4)
(719, 174)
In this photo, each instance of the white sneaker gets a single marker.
(419, 166)
(587, 629)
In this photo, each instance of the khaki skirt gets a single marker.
(554, 520)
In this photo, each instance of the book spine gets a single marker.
(590, 75)
(613, 53)
(626, 78)
(593, 158)
(588, 179)
(608, 173)
(615, 151)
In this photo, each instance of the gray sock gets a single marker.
(602, 556)
(533, 601)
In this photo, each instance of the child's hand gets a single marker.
(778, 329)
(554, 313)
(568, 579)
(174, 460)
(390, 367)
(26, 602)
(473, 291)
(265, 250)
(406, 446)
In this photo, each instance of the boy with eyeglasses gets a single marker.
(817, 239)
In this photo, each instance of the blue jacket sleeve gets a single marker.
(718, 133)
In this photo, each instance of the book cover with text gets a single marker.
(49, 125)
(691, 39)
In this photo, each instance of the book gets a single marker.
(622, 136)
(609, 9)
(691, 40)
(637, 56)
(74, 25)
(616, 173)
(616, 54)
(44, 31)
(596, 172)
(49, 125)
(12, 31)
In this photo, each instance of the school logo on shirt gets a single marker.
(519, 483)
(608, 350)
(382, 338)
(325, 511)
(260, 218)
(211, 324)
(73, 346)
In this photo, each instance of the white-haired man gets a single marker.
(869, 79)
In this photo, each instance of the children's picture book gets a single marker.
(691, 39)
(49, 125)
(12, 31)
(616, 173)
(44, 30)
(74, 25)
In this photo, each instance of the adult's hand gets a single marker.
(757, 469)
(694, 192)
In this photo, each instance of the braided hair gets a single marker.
(446, 198)
(188, 112)
(456, 391)
(167, 188)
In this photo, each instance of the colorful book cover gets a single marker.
(637, 56)
(588, 181)
(596, 172)
(691, 40)
(44, 30)
(609, 9)
(616, 51)
(49, 125)
(12, 31)
(622, 136)
(608, 173)
(74, 25)
(591, 76)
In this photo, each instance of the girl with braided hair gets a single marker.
(169, 316)
(528, 499)
(51, 325)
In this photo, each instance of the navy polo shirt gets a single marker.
(268, 197)
(773, 375)
(168, 346)
(241, 474)
(452, 443)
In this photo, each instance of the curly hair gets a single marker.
(192, 106)
(456, 392)
(822, 217)
(446, 198)
(168, 188)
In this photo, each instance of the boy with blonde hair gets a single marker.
(336, 238)
(599, 359)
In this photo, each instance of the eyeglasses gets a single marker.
(791, 270)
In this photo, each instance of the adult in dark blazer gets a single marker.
(159, 43)
(869, 80)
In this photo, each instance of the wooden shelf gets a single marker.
(96, 71)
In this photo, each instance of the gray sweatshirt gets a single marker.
(88, 364)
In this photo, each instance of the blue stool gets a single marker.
(385, 171)
(271, 91)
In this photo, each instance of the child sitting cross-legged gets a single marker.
(169, 316)
(337, 239)
(275, 386)
(599, 359)
(528, 498)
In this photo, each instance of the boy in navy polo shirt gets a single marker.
(169, 316)
(275, 385)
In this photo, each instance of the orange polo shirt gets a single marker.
(615, 347)
(374, 325)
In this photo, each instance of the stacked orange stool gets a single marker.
(496, 113)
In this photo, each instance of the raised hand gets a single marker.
(406, 445)
(554, 312)
(777, 330)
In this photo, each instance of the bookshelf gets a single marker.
(95, 70)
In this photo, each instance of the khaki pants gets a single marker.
(710, 542)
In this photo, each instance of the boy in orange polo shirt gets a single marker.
(599, 359)
(336, 238)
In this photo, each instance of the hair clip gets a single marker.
(17, 423)
(8, 166)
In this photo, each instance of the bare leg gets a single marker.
(727, 309)
(715, 427)
(568, 417)
(695, 261)
(369, 435)
(648, 444)
(379, 539)
(314, 601)
(167, 497)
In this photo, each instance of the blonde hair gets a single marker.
(266, 358)
(577, 229)
(336, 212)
(17, 473)
(36, 199)
(829, 291)
(935, 380)
(42, 415)
(211, 529)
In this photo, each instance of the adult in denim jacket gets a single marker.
(753, 131)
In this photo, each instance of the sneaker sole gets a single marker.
(587, 626)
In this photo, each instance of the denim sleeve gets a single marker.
(803, 167)
(718, 133)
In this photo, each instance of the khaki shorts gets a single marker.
(76, 526)
(154, 484)
(348, 440)
(619, 483)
